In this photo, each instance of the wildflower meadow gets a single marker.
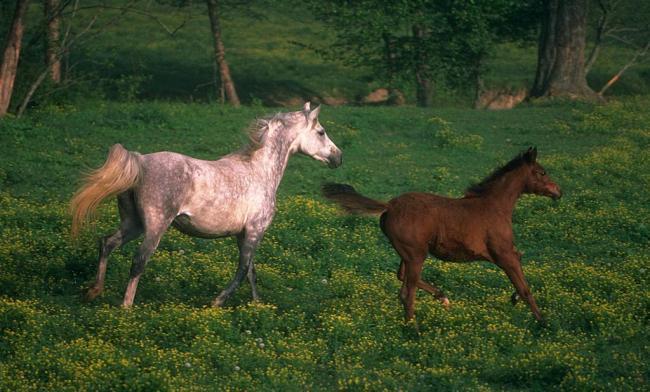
(330, 318)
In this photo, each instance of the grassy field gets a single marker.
(330, 317)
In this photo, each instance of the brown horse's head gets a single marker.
(537, 181)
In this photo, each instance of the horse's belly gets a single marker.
(457, 252)
(206, 227)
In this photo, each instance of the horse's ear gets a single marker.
(534, 154)
(313, 115)
(531, 155)
(306, 107)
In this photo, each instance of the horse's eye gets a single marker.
(542, 173)
(321, 132)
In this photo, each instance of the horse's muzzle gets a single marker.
(556, 194)
(335, 160)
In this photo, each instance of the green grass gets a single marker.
(330, 317)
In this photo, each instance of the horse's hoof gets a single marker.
(514, 298)
(413, 325)
(217, 303)
(445, 302)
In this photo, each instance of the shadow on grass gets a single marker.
(153, 76)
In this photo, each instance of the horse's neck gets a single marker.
(270, 161)
(503, 195)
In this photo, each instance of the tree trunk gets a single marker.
(600, 32)
(11, 55)
(390, 58)
(220, 54)
(615, 78)
(423, 87)
(561, 52)
(53, 44)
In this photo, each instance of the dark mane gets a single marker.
(485, 184)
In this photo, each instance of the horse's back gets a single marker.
(422, 208)
(411, 217)
(165, 174)
(176, 173)
(448, 228)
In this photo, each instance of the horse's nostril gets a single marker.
(335, 159)
(557, 194)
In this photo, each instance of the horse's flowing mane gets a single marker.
(258, 129)
(255, 133)
(485, 184)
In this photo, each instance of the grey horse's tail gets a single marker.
(118, 174)
(352, 201)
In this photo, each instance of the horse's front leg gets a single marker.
(514, 298)
(511, 265)
(252, 273)
(247, 242)
(252, 278)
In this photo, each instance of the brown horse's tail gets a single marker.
(352, 201)
(118, 174)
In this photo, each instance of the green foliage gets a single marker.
(627, 21)
(330, 317)
(130, 56)
(454, 42)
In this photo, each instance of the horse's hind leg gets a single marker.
(130, 228)
(428, 287)
(412, 262)
(410, 286)
(152, 236)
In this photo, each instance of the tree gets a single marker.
(623, 23)
(561, 51)
(78, 29)
(11, 54)
(53, 56)
(418, 40)
(421, 67)
(227, 86)
(52, 43)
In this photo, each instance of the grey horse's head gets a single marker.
(312, 140)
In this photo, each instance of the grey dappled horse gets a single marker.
(232, 196)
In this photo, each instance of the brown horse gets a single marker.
(475, 227)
